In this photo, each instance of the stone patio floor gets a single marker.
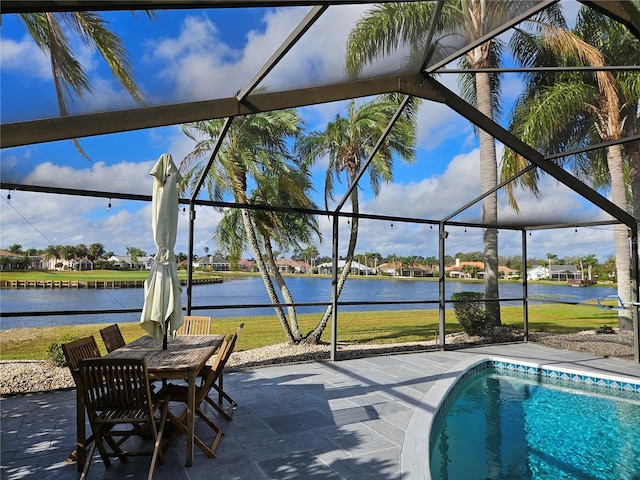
(360, 419)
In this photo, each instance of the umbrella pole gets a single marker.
(164, 339)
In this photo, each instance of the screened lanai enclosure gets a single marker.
(410, 129)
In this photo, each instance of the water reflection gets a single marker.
(249, 290)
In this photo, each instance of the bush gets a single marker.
(55, 353)
(470, 312)
(605, 330)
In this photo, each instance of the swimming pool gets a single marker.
(503, 424)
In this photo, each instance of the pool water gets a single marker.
(514, 426)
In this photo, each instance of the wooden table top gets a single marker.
(183, 354)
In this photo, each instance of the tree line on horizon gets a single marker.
(96, 253)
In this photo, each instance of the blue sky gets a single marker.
(191, 54)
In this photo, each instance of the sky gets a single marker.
(189, 55)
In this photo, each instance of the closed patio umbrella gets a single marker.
(162, 308)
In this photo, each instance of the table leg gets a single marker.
(191, 408)
(81, 442)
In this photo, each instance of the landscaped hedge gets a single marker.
(470, 311)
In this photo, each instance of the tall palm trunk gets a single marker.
(610, 127)
(621, 234)
(264, 274)
(488, 181)
(314, 336)
(633, 152)
(284, 290)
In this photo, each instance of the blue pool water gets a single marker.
(516, 426)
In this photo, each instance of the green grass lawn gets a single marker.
(358, 327)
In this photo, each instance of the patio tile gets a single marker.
(296, 466)
(300, 421)
(382, 464)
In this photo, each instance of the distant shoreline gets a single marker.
(135, 279)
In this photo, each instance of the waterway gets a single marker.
(249, 290)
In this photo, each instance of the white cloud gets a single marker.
(129, 177)
(14, 53)
(38, 220)
(438, 196)
(433, 197)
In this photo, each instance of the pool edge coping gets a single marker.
(415, 460)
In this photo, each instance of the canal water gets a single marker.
(249, 290)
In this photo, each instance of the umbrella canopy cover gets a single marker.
(162, 288)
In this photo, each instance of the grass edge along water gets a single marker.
(354, 327)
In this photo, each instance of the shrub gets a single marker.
(470, 312)
(55, 353)
(606, 330)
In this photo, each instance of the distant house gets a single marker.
(287, 265)
(212, 262)
(144, 263)
(396, 268)
(565, 273)
(537, 272)
(121, 261)
(507, 273)
(247, 265)
(389, 268)
(80, 264)
(10, 261)
(461, 269)
(414, 270)
(356, 268)
(558, 273)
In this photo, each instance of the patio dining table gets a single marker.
(183, 359)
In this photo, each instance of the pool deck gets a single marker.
(358, 419)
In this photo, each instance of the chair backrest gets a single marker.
(224, 352)
(195, 325)
(112, 337)
(239, 329)
(77, 350)
(115, 384)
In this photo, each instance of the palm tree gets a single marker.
(15, 248)
(95, 251)
(393, 261)
(382, 30)
(310, 254)
(347, 142)
(283, 229)
(574, 109)
(550, 257)
(51, 32)
(255, 150)
(375, 258)
(51, 251)
(591, 262)
(431, 261)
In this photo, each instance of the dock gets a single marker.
(92, 283)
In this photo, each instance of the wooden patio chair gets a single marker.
(178, 393)
(117, 392)
(75, 351)
(112, 337)
(195, 325)
(222, 395)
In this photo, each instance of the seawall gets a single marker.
(91, 283)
